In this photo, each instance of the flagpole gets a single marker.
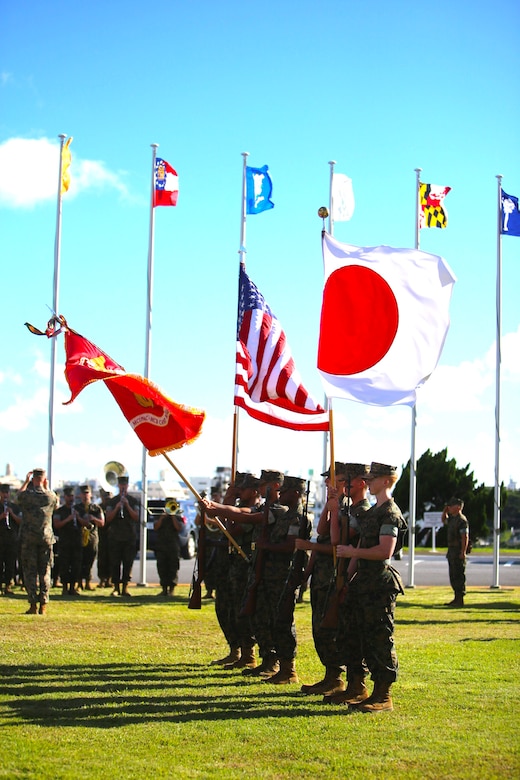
(55, 307)
(413, 457)
(242, 253)
(496, 503)
(147, 360)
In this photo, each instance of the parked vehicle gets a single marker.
(188, 537)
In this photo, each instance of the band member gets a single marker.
(122, 518)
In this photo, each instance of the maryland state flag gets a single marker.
(432, 212)
(160, 423)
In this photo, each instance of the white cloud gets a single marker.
(29, 172)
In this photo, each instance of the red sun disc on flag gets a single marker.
(359, 320)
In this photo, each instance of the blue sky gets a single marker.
(380, 88)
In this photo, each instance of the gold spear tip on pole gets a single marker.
(323, 212)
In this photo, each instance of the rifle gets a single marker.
(337, 595)
(298, 565)
(199, 570)
(249, 607)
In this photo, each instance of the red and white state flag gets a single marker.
(384, 320)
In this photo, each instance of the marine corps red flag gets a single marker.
(160, 423)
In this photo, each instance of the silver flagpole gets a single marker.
(55, 306)
(496, 507)
(413, 457)
(147, 353)
(242, 253)
(328, 436)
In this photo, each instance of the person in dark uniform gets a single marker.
(458, 536)
(92, 519)
(122, 518)
(103, 557)
(9, 521)
(167, 547)
(67, 525)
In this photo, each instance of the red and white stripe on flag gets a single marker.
(267, 384)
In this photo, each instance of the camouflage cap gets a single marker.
(454, 501)
(339, 468)
(5, 488)
(85, 488)
(123, 480)
(271, 476)
(68, 490)
(38, 472)
(249, 481)
(354, 470)
(239, 478)
(381, 470)
(294, 483)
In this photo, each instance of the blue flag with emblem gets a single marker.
(510, 216)
(259, 188)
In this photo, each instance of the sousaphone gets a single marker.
(113, 470)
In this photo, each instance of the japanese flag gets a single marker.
(384, 320)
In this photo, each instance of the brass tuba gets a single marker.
(112, 470)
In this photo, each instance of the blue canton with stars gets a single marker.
(249, 298)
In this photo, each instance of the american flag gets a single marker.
(267, 384)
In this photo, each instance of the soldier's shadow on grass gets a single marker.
(115, 695)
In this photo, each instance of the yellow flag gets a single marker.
(66, 158)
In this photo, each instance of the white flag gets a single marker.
(342, 198)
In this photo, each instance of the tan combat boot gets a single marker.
(247, 659)
(231, 658)
(379, 701)
(286, 675)
(43, 609)
(33, 610)
(331, 683)
(355, 693)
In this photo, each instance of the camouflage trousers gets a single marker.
(238, 579)
(367, 633)
(36, 558)
(324, 638)
(457, 571)
(272, 634)
(223, 596)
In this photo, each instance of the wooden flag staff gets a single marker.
(216, 520)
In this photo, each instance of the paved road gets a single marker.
(429, 569)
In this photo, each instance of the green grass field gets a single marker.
(123, 689)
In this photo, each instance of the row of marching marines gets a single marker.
(263, 556)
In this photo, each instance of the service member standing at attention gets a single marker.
(167, 547)
(37, 503)
(458, 536)
(68, 530)
(92, 519)
(122, 518)
(321, 566)
(372, 591)
(9, 521)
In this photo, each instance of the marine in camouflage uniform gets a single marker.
(36, 538)
(276, 578)
(372, 591)
(321, 567)
(168, 549)
(458, 535)
(246, 496)
(256, 602)
(345, 520)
